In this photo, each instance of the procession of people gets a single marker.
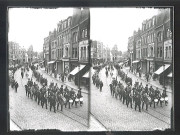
(135, 95)
(45, 95)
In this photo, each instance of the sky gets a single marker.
(114, 25)
(28, 26)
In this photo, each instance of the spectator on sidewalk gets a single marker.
(147, 77)
(16, 86)
(62, 78)
(101, 85)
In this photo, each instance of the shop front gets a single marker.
(51, 67)
(150, 66)
(59, 65)
(143, 66)
(73, 64)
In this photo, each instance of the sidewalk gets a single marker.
(67, 83)
(151, 82)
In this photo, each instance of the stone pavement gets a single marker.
(151, 82)
(117, 117)
(27, 114)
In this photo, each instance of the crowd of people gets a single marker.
(52, 94)
(46, 95)
(136, 94)
(97, 81)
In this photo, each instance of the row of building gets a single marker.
(19, 55)
(150, 48)
(102, 53)
(67, 46)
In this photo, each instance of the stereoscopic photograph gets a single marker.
(91, 69)
(132, 68)
(49, 68)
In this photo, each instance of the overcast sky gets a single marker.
(111, 26)
(29, 26)
(114, 25)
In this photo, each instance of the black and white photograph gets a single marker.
(49, 68)
(132, 68)
(91, 69)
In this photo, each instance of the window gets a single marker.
(81, 52)
(75, 37)
(160, 36)
(170, 52)
(151, 51)
(85, 32)
(82, 33)
(168, 33)
(75, 52)
(166, 52)
(161, 52)
(158, 52)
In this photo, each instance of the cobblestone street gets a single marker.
(117, 117)
(26, 113)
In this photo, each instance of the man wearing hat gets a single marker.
(61, 89)
(79, 95)
(72, 93)
(101, 85)
(138, 101)
(146, 88)
(52, 100)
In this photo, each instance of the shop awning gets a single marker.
(77, 69)
(136, 61)
(162, 69)
(170, 74)
(51, 62)
(86, 75)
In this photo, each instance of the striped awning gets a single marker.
(162, 69)
(86, 75)
(77, 69)
(170, 74)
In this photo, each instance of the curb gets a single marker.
(170, 91)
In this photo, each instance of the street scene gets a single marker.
(49, 69)
(132, 75)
